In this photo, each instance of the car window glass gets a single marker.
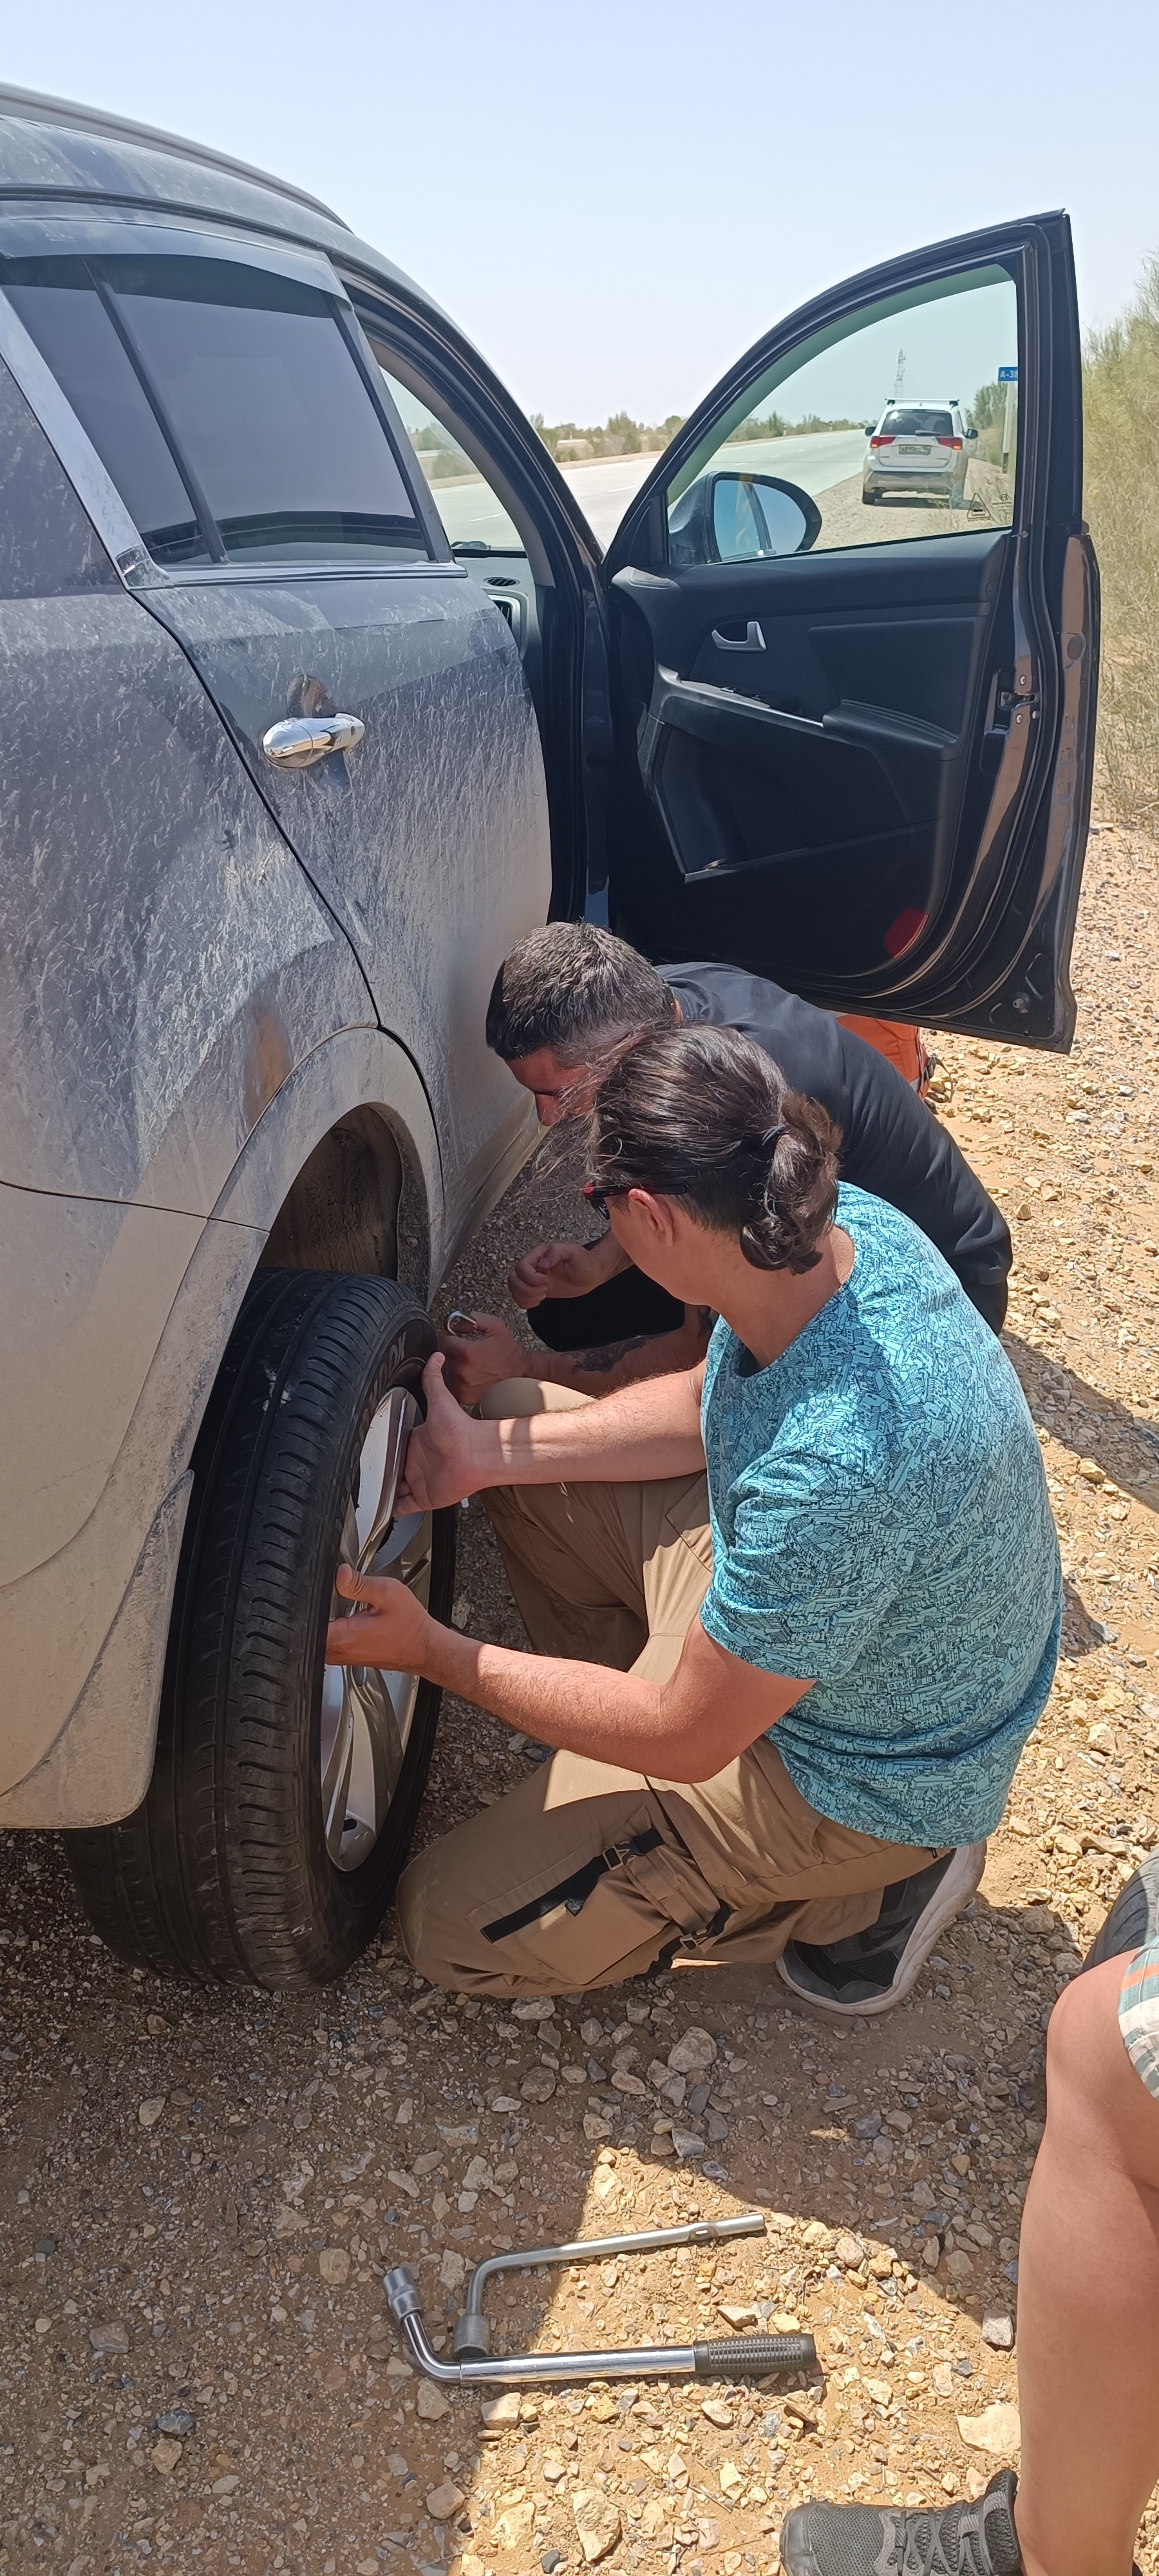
(48, 548)
(266, 408)
(903, 421)
(472, 514)
(899, 421)
(61, 310)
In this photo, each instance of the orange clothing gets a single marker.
(894, 1039)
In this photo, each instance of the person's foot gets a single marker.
(877, 2540)
(1133, 1920)
(874, 1970)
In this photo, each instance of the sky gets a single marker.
(616, 199)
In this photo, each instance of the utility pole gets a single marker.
(899, 376)
(1008, 376)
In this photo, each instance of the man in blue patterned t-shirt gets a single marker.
(815, 1666)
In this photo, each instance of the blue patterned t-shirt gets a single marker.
(881, 1526)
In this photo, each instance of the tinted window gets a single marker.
(917, 424)
(47, 545)
(270, 410)
(60, 308)
(281, 445)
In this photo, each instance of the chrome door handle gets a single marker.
(299, 741)
(752, 641)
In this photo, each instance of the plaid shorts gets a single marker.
(1139, 2014)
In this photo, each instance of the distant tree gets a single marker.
(987, 408)
(621, 435)
(767, 425)
(770, 425)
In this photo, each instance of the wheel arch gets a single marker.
(343, 1170)
(352, 1118)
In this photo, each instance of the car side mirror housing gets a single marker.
(971, 433)
(741, 518)
(870, 427)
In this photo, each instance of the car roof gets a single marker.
(54, 152)
(31, 108)
(922, 402)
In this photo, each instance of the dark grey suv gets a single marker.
(317, 692)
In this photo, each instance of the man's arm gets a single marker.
(644, 1431)
(494, 1354)
(688, 1728)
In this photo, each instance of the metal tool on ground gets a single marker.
(733, 2357)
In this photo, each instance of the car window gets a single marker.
(917, 424)
(228, 407)
(48, 548)
(473, 516)
(899, 421)
(75, 334)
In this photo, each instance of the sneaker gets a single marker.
(1133, 1921)
(873, 1970)
(876, 2540)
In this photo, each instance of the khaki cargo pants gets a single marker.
(583, 1874)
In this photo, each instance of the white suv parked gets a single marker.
(918, 447)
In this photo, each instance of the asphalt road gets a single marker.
(605, 486)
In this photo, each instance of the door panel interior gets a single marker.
(817, 768)
(862, 764)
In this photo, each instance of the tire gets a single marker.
(870, 497)
(225, 1873)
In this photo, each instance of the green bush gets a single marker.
(1121, 501)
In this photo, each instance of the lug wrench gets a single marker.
(735, 2357)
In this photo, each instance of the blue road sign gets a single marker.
(1007, 375)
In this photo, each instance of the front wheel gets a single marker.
(284, 1792)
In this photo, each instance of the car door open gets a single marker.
(854, 619)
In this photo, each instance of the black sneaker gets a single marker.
(875, 2540)
(872, 1971)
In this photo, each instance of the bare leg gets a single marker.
(1088, 2307)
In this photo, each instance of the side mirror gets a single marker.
(741, 518)
(971, 433)
(758, 514)
(870, 426)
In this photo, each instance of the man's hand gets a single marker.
(480, 1360)
(564, 1270)
(392, 1630)
(441, 1464)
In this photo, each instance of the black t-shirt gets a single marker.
(891, 1143)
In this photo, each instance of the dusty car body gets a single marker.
(280, 785)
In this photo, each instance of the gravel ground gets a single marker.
(849, 522)
(198, 2192)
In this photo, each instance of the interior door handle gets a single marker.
(752, 641)
(299, 741)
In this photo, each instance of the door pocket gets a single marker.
(923, 666)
